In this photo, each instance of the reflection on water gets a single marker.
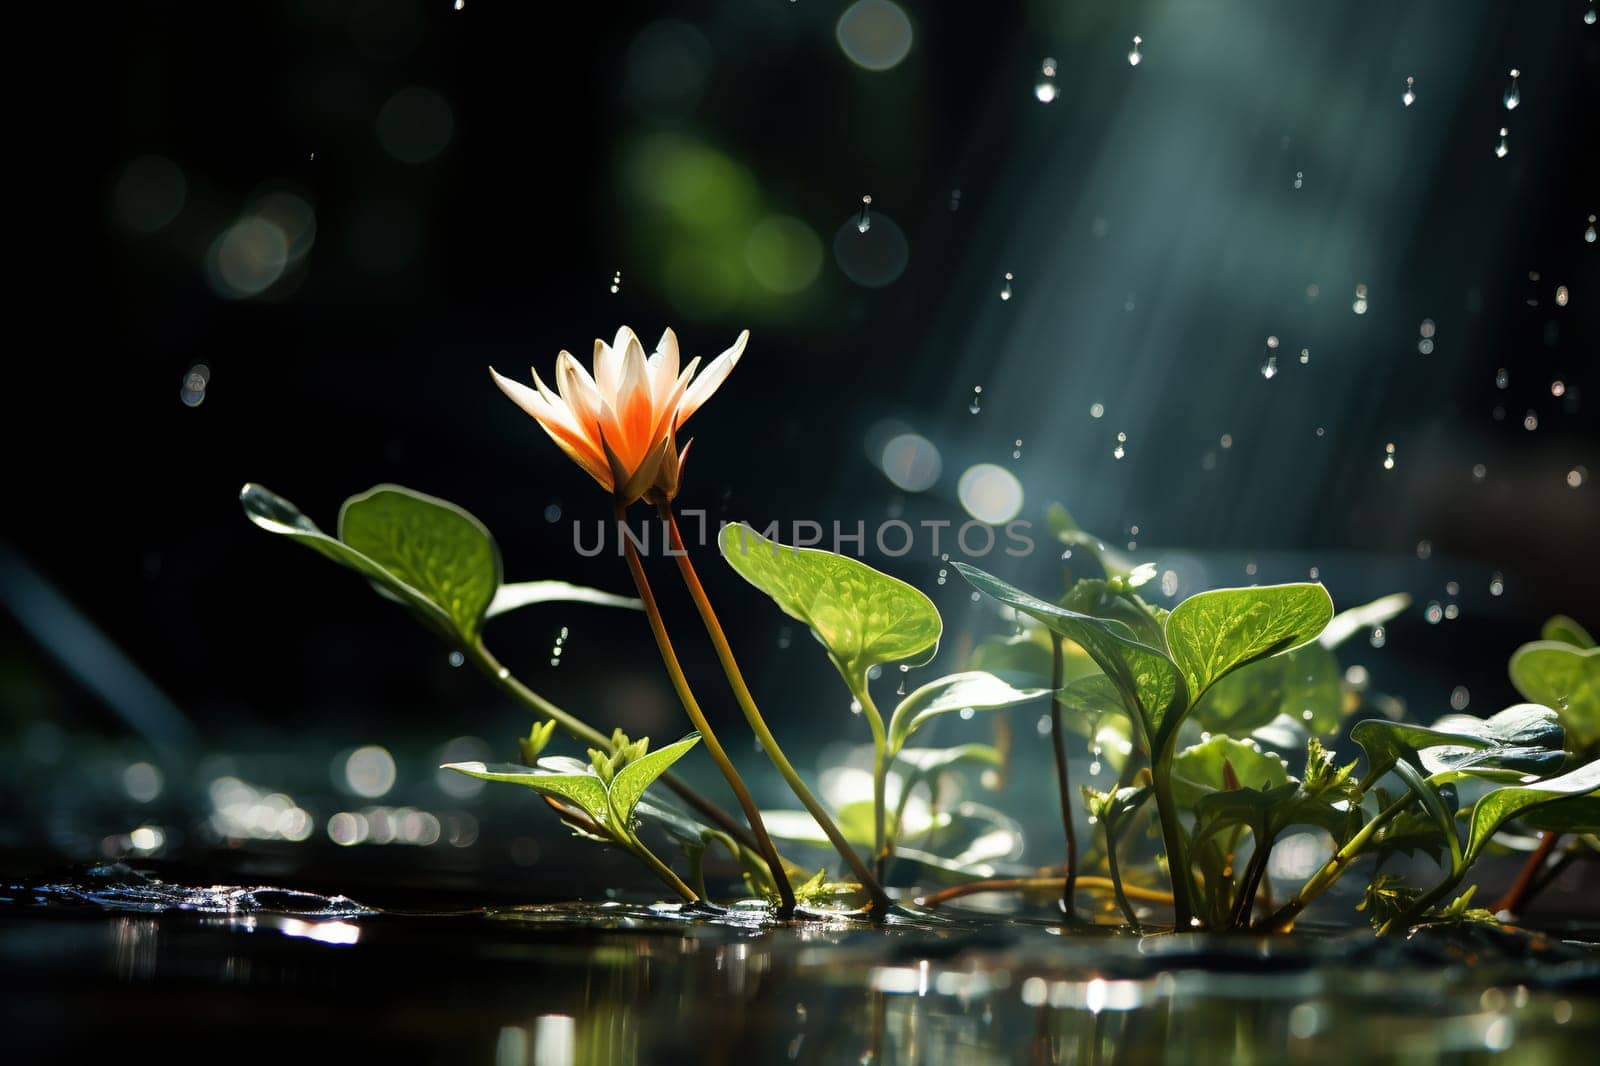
(127, 958)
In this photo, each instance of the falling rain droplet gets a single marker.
(1513, 95)
(1530, 421)
(1558, 388)
(1388, 456)
(1045, 90)
(1299, 178)
(1502, 378)
(1433, 613)
(1016, 450)
(1424, 549)
(1379, 637)
(1501, 149)
(1305, 356)
(1561, 296)
(1097, 409)
(1577, 476)
(864, 223)
(1588, 15)
(193, 390)
(616, 283)
(1135, 56)
(1005, 290)
(1359, 305)
(976, 404)
(1119, 451)
(955, 199)
(456, 658)
(1269, 369)
(1409, 97)
(461, 5)
(1497, 584)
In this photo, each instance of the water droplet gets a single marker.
(1497, 584)
(855, 706)
(1119, 451)
(1513, 95)
(193, 389)
(1226, 440)
(1097, 409)
(1479, 472)
(1005, 290)
(1577, 476)
(1016, 451)
(1409, 97)
(1459, 698)
(1305, 356)
(785, 638)
(1428, 328)
(616, 283)
(955, 199)
(1588, 234)
(1299, 178)
(1530, 421)
(976, 403)
(1588, 15)
(1501, 149)
(1424, 549)
(1135, 57)
(1046, 90)
(1359, 304)
(1452, 588)
(864, 223)
(1314, 573)
(558, 647)
(1379, 637)
(1558, 387)
(1388, 456)
(456, 658)
(461, 5)
(1169, 583)
(901, 691)
(1502, 378)
(1433, 613)
(1269, 369)
(1250, 569)
(1561, 296)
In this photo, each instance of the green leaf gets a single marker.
(631, 781)
(862, 616)
(1212, 633)
(584, 789)
(524, 593)
(1434, 803)
(429, 544)
(1579, 814)
(1349, 622)
(1495, 808)
(1105, 599)
(1564, 677)
(1302, 684)
(937, 760)
(975, 689)
(1198, 770)
(1525, 738)
(1566, 631)
(1148, 682)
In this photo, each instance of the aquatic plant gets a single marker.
(1184, 704)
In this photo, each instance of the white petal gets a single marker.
(708, 382)
(664, 366)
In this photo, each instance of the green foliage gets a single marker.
(974, 689)
(425, 553)
(1213, 633)
(1566, 630)
(538, 738)
(1302, 684)
(1495, 808)
(1523, 739)
(1566, 677)
(862, 616)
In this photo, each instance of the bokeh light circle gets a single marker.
(875, 258)
(911, 461)
(783, 253)
(874, 34)
(415, 124)
(990, 493)
(150, 192)
(247, 259)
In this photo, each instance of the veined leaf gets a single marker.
(1564, 677)
(1566, 631)
(1576, 814)
(524, 593)
(1302, 684)
(585, 789)
(1525, 738)
(1212, 633)
(1496, 808)
(863, 616)
(1147, 681)
(430, 545)
(975, 689)
(631, 781)
(1199, 770)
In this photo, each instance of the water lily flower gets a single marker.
(621, 424)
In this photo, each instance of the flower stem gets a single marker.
(752, 713)
(583, 732)
(1059, 743)
(681, 684)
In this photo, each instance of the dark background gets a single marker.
(1148, 213)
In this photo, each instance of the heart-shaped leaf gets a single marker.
(430, 545)
(630, 782)
(1302, 685)
(862, 616)
(1147, 681)
(1496, 808)
(1212, 633)
(1522, 739)
(974, 689)
(1204, 768)
(1564, 677)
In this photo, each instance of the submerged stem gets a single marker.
(680, 683)
(1059, 743)
(752, 713)
(1025, 884)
